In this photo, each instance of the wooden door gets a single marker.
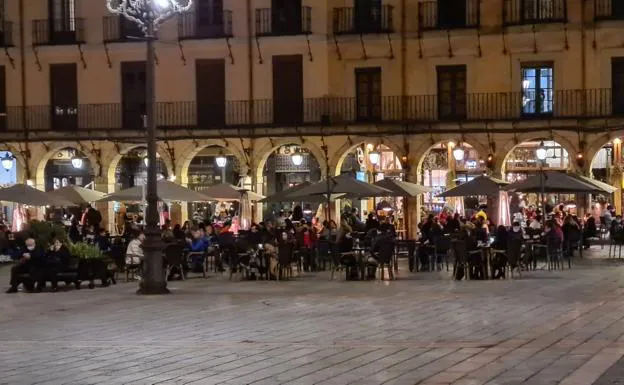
(133, 96)
(617, 85)
(368, 93)
(451, 13)
(286, 17)
(64, 96)
(451, 92)
(210, 92)
(209, 18)
(367, 16)
(287, 89)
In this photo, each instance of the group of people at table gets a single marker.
(352, 244)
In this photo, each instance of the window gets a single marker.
(537, 89)
(63, 14)
(452, 92)
(539, 9)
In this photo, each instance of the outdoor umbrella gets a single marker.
(228, 192)
(342, 184)
(555, 182)
(401, 188)
(480, 186)
(26, 195)
(290, 195)
(77, 195)
(606, 187)
(167, 191)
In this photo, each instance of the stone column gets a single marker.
(616, 177)
(102, 184)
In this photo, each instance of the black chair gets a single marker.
(441, 251)
(284, 261)
(174, 258)
(460, 267)
(554, 250)
(573, 242)
(385, 256)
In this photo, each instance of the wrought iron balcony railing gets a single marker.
(120, 29)
(349, 20)
(192, 25)
(283, 22)
(417, 109)
(58, 31)
(433, 15)
(6, 34)
(518, 12)
(608, 10)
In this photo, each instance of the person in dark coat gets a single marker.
(94, 218)
(54, 262)
(384, 245)
(29, 260)
(74, 232)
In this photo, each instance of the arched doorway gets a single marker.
(522, 162)
(66, 167)
(606, 166)
(368, 162)
(288, 166)
(446, 165)
(212, 165)
(131, 170)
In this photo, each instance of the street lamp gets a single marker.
(374, 157)
(146, 161)
(7, 161)
(221, 160)
(297, 158)
(76, 161)
(541, 154)
(459, 153)
(149, 15)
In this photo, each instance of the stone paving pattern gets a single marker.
(564, 327)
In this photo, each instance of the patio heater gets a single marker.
(149, 15)
(541, 154)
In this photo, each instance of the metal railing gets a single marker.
(192, 26)
(608, 10)
(478, 107)
(119, 29)
(58, 31)
(350, 20)
(278, 22)
(430, 16)
(517, 12)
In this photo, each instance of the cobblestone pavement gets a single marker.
(563, 327)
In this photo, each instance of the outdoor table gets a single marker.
(360, 255)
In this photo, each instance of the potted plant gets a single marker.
(93, 263)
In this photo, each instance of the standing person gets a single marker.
(93, 217)
(29, 261)
(74, 232)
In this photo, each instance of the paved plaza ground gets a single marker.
(563, 327)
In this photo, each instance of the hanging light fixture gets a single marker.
(541, 152)
(146, 161)
(459, 153)
(297, 157)
(7, 161)
(221, 160)
(77, 161)
(374, 157)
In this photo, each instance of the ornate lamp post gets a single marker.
(149, 15)
(541, 152)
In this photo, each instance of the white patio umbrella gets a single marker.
(167, 191)
(77, 195)
(228, 192)
(26, 195)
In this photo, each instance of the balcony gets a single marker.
(58, 32)
(328, 111)
(6, 34)
(282, 22)
(608, 10)
(433, 15)
(355, 21)
(211, 26)
(117, 29)
(520, 12)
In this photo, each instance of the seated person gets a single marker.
(54, 262)
(102, 241)
(29, 260)
(134, 252)
(197, 244)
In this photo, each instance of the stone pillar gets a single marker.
(414, 205)
(617, 180)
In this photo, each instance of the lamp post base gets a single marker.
(155, 288)
(154, 281)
